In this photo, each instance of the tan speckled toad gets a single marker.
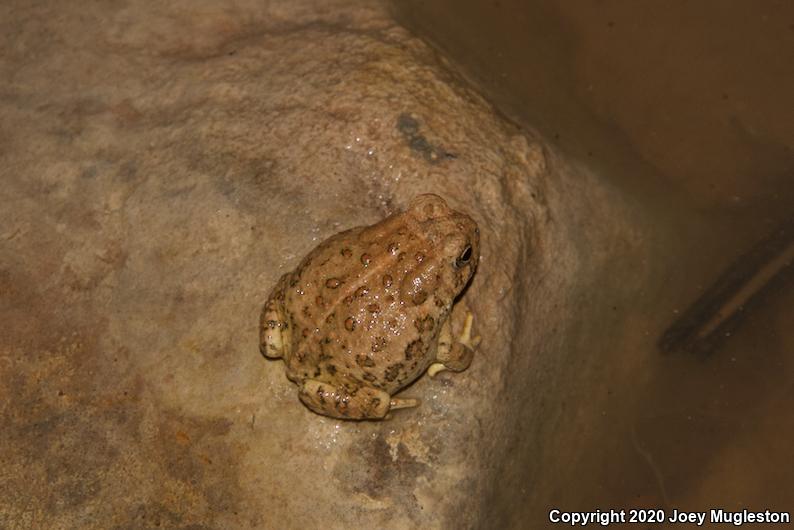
(366, 312)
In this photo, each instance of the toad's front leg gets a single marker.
(365, 403)
(454, 355)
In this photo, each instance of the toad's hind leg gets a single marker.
(365, 403)
(274, 332)
(454, 355)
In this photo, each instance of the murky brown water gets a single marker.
(686, 108)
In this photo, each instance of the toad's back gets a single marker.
(366, 306)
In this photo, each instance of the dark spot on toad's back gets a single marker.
(333, 283)
(365, 360)
(387, 280)
(362, 291)
(378, 343)
(350, 324)
(393, 371)
(414, 349)
(424, 324)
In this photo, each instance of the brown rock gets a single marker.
(162, 166)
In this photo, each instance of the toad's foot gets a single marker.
(365, 403)
(455, 356)
(274, 332)
(403, 403)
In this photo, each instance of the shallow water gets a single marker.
(686, 109)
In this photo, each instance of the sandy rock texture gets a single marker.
(161, 166)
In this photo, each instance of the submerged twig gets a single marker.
(718, 311)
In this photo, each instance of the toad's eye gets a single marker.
(464, 257)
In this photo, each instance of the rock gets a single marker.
(162, 166)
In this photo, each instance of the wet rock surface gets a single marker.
(162, 166)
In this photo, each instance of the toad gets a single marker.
(367, 311)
